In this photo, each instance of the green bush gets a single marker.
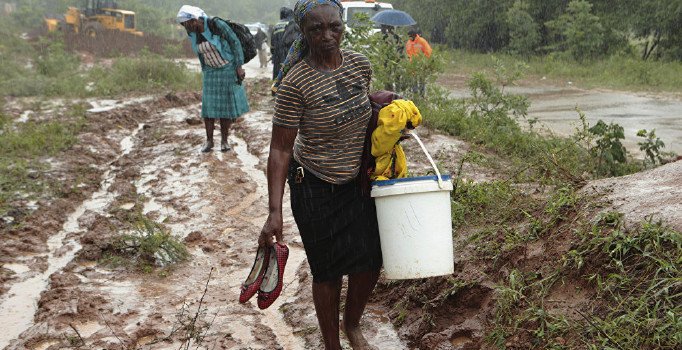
(652, 147)
(147, 247)
(608, 150)
(391, 68)
(637, 272)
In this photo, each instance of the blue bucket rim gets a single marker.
(390, 182)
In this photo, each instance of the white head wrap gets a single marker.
(188, 12)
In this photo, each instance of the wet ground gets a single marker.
(555, 108)
(141, 155)
(61, 295)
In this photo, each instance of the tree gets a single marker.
(658, 24)
(524, 35)
(478, 25)
(580, 32)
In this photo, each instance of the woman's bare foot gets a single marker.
(355, 338)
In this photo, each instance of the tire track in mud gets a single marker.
(20, 303)
(215, 202)
(130, 307)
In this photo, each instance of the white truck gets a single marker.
(370, 7)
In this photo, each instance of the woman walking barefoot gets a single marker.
(221, 56)
(321, 114)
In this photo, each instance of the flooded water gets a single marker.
(555, 107)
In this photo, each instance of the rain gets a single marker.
(434, 174)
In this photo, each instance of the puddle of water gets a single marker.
(177, 114)
(24, 116)
(128, 142)
(99, 106)
(249, 166)
(88, 328)
(127, 206)
(45, 344)
(19, 269)
(242, 332)
(151, 206)
(384, 335)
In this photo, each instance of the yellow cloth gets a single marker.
(390, 124)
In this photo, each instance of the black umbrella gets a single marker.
(394, 18)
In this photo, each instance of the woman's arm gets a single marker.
(281, 148)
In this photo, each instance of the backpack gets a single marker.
(243, 34)
(291, 32)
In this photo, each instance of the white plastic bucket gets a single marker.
(415, 225)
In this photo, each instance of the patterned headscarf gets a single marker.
(300, 46)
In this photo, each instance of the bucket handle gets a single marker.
(433, 164)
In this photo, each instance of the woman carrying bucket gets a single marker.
(321, 115)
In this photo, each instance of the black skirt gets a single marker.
(338, 226)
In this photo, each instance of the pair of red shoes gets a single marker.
(266, 275)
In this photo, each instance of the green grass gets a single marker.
(44, 68)
(639, 273)
(636, 276)
(23, 145)
(147, 73)
(615, 72)
(147, 247)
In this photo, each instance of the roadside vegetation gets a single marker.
(630, 45)
(630, 275)
(43, 67)
(621, 72)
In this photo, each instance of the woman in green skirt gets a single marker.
(221, 57)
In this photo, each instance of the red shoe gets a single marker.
(255, 278)
(272, 281)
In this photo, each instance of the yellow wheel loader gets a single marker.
(94, 19)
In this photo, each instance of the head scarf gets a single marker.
(300, 47)
(188, 12)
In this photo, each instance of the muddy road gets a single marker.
(140, 156)
(145, 159)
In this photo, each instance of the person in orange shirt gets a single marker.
(417, 44)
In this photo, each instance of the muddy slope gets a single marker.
(458, 311)
(655, 193)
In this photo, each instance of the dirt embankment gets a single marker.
(119, 44)
(655, 194)
(461, 311)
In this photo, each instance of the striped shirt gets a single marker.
(331, 111)
(211, 55)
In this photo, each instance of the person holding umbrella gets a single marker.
(389, 19)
